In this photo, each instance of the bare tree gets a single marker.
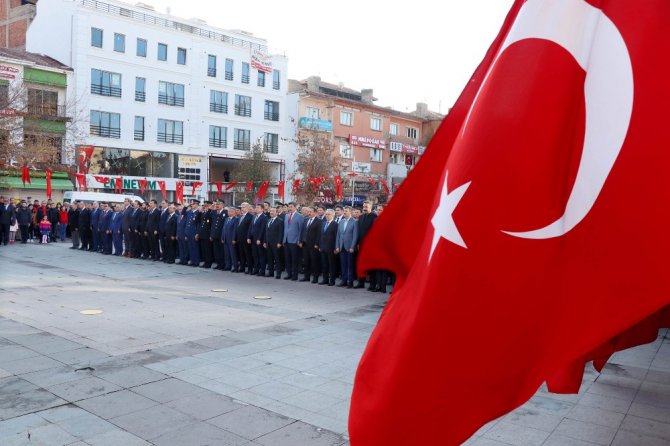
(316, 158)
(255, 166)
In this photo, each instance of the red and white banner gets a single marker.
(365, 141)
(261, 61)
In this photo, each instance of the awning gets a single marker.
(36, 183)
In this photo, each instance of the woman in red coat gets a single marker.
(63, 221)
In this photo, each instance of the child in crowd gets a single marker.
(12, 232)
(45, 229)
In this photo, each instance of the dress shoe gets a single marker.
(277, 277)
(371, 289)
(351, 285)
(342, 284)
(382, 290)
(304, 279)
(331, 283)
(287, 278)
(323, 282)
(315, 280)
(359, 285)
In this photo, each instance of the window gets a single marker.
(218, 136)
(229, 69)
(261, 79)
(242, 139)
(119, 43)
(409, 160)
(271, 141)
(376, 124)
(272, 110)
(245, 73)
(162, 51)
(345, 150)
(105, 83)
(396, 158)
(141, 48)
(96, 37)
(170, 94)
(140, 89)
(376, 155)
(181, 56)
(189, 174)
(211, 65)
(105, 124)
(346, 118)
(312, 112)
(412, 132)
(170, 131)
(218, 101)
(276, 74)
(4, 94)
(393, 130)
(242, 105)
(139, 128)
(43, 103)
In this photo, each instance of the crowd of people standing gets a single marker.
(319, 243)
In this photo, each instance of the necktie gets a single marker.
(326, 227)
(290, 216)
(271, 220)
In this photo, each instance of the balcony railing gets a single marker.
(106, 90)
(275, 85)
(219, 143)
(229, 75)
(260, 82)
(171, 138)
(211, 72)
(49, 110)
(243, 111)
(218, 108)
(271, 116)
(139, 135)
(106, 132)
(242, 145)
(140, 96)
(272, 148)
(245, 78)
(170, 100)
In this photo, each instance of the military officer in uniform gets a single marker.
(191, 233)
(218, 217)
(182, 216)
(204, 231)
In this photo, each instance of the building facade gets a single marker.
(36, 113)
(370, 141)
(165, 99)
(15, 17)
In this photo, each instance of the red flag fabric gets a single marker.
(101, 179)
(532, 251)
(81, 181)
(118, 185)
(296, 186)
(25, 175)
(250, 186)
(231, 185)
(143, 185)
(373, 183)
(163, 187)
(385, 186)
(263, 190)
(179, 192)
(48, 175)
(338, 187)
(280, 190)
(85, 155)
(194, 186)
(219, 188)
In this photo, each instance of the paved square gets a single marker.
(171, 362)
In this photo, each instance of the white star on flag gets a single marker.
(443, 220)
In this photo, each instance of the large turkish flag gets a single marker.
(536, 226)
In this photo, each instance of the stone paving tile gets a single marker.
(646, 427)
(605, 402)
(204, 405)
(83, 389)
(242, 380)
(586, 431)
(300, 433)
(200, 434)
(251, 422)
(13, 385)
(17, 425)
(116, 437)
(596, 416)
(153, 422)
(167, 390)
(217, 342)
(64, 412)
(276, 390)
(33, 364)
(219, 387)
(86, 426)
(115, 404)
(516, 435)
(130, 376)
(52, 377)
(49, 434)
(78, 356)
(650, 412)
(628, 438)
(32, 401)
(312, 401)
(562, 440)
(335, 425)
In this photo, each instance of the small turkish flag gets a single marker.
(296, 185)
(231, 185)
(338, 187)
(118, 185)
(25, 175)
(250, 186)
(539, 233)
(179, 192)
(280, 190)
(143, 185)
(194, 186)
(81, 181)
(163, 186)
(219, 188)
(263, 190)
(48, 175)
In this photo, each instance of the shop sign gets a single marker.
(7, 72)
(189, 161)
(129, 183)
(359, 167)
(404, 148)
(365, 141)
(261, 61)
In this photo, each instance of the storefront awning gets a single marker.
(36, 183)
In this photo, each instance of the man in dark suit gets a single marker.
(95, 222)
(152, 231)
(116, 226)
(54, 218)
(327, 248)
(85, 226)
(7, 218)
(161, 229)
(229, 239)
(73, 221)
(105, 229)
(256, 239)
(310, 246)
(125, 226)
(345, 245)
(170, 235)
(218, 217)
(293, 224)
(244, 247)
(182, 217)
(274, 235)
(144, 234)
(204, 232)
(191, 233)
(136, 238)
(365, 222)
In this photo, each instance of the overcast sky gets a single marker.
(408, 52)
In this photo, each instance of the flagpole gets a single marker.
(353, 176)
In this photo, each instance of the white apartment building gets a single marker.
(165, 98)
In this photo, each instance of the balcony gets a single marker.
(218, 108)
(211, 72)
(105, 90)
(272, 148)
(275, 85)
(106, 132)
(140, 96)
(242, 145)
(139, 135)
(170, 100)
(218, 143)
(271, 116)
(229, 75)
(243, 111)
(245, 78)
(46, 111)
(320, 125)
(170, 138)
(260, 82)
